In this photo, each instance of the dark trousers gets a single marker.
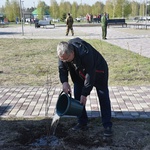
(104, 100)
(68, 29)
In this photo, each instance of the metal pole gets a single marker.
(34, 4)
(81, 8)
(21, 17)
(143, 8)
(146, 12)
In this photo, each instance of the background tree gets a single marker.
(127, 9)
(7, 10)
(42, 9)
(15, 9)
(142, 9)
(119, 8)
(86, 9)
(135, 8)
(31, 9)
(54, 9)
(65, 7)
(110, 9)
(148, 9)
(115, 9)
(97, 8)
(12, 10)
(122, 8)
(62, 11)
(74, 9)
(68, 7)
(63, 17)
(2, 9)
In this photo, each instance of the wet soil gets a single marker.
(36, 135)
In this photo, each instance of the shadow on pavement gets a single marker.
(4, 109)
(9, 33)
(124, 38)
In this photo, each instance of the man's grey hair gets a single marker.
(64, 48)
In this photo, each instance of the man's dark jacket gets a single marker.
(88, 64)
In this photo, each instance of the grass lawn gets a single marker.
(34, 62)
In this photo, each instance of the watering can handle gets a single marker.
(63, 92)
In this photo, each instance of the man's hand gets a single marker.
(83, 99)
(66, 87)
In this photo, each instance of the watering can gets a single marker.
(66, 105)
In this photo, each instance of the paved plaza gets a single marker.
(127, 102)
(136, 40)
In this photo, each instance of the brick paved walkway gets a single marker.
(29, 102)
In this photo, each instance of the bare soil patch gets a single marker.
(28, 135)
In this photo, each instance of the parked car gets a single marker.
(55, 20)
(78, 19)
(28, 20)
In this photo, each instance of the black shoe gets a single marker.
(66, 34)
(107, 132)
(80, 127)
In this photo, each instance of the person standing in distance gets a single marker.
(88, 69)
(69, 23)
(104, 26)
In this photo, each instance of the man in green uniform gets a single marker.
(69, 23)
(104, 26)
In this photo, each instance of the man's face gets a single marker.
(67, 57)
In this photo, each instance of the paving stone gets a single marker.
(23, 102)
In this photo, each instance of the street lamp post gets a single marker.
(21, 17)
(34, 4)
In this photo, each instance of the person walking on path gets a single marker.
(87, 69)
(104, 26)
(69, 23)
